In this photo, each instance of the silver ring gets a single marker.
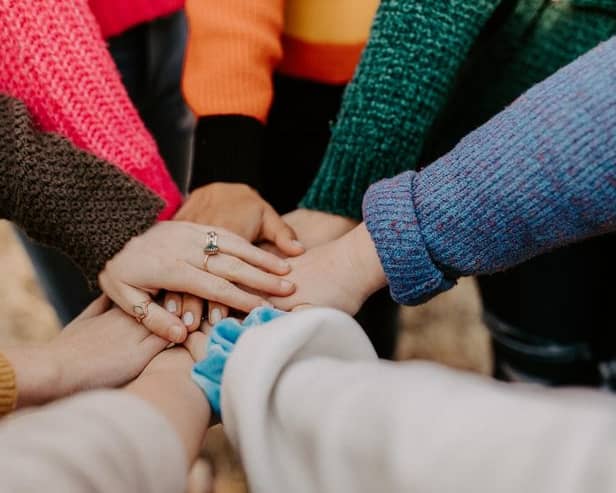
(211, 247)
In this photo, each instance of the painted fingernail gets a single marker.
(172, 306)
(215, 316)
(286, 285)
(297, 244)
(176, 333)
(188, 318)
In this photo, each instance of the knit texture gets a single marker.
(541, 174)
(116, 16)
(8, 387)
(431, 74)
(55, 61)
(66, 198)
(403, 80)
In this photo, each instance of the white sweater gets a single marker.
(311, 409)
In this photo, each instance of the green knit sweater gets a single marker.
(433, 71)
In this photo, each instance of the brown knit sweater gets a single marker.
(66, 198)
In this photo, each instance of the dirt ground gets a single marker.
(447, 329)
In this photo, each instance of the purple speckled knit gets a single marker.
(539, 175)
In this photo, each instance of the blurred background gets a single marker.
(448, 329)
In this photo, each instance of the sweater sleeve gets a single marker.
(99, 442)
(539, 175)
(407, 70)
(55, 60)
(233, 49)
(66, 198)
(310, 408)
(8, 387)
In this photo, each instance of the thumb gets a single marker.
(276, 231)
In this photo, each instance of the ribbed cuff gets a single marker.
(227, 148)
(8, 387)
(389, 214)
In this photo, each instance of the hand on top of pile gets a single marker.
(170, 256)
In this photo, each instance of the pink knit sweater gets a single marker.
(55, 60)
(116, 16)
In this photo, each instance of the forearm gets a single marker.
(96, 442)
(181, 402)
(537, 176)
(66, 198)
(407, 70)
(232, 51)
(327, 416)
(37, 375)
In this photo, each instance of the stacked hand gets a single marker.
(340, 274)
(170, 256)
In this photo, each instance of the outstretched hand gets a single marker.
(241, 210)
(170, 257)
(341, 274)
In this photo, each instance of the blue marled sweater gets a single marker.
(539, 175)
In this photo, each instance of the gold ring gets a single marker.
(205, 259)
(140, 310)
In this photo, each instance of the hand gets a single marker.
(170, 256)
(167, 385)
(341, 274)
(316, 228)
(241, 210)
(98, 349)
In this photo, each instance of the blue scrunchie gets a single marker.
(207, 374)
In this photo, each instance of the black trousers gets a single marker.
(552, 318)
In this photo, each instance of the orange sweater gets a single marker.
(235, 46)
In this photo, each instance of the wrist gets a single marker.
(38, 375)
(365, 261)
(176, 397)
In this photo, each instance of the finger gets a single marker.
(188, 279)
(205, 327)
(192, 309)
(195, 343)
(173, 303)
(271, 248)
(237, 271)
(242, 249)
(303, 307)
(217, 312)
(274, 229)
(99, 306)
(156, 320)
(152, 345)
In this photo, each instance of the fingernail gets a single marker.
(298, 244)
(215, 316)
(176, 333)
(267, 304)
(286, 285)
(284, 264)
(172, 306)
(188, 318)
